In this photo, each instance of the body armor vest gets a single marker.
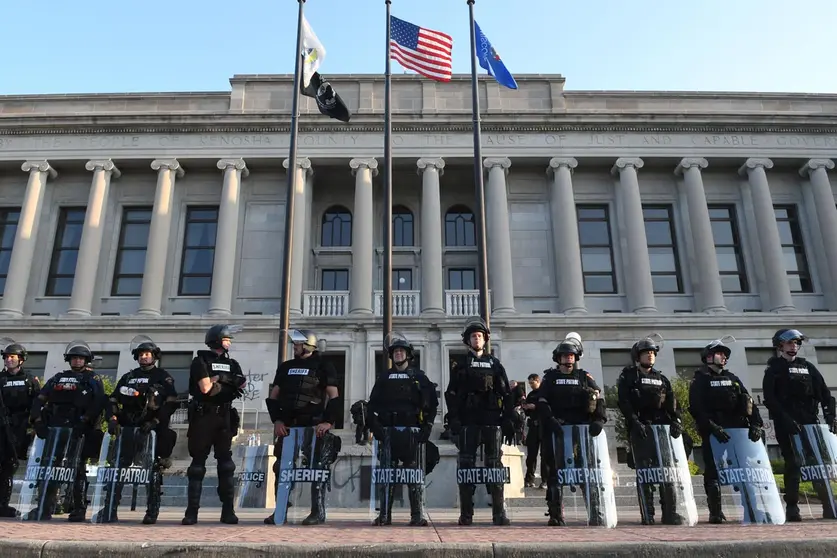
(480, 384)
(138, 397)
(649, 391)
(71, 394)
(18, 391)
(401, 399)
(300, 391)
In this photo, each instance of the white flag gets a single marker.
(313, 52)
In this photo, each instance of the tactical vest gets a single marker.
(18, 391)
(724, 393)
(480, 384)
(300, 390)
(571, 391)
(400, 399)
(138, 396)
(649, 390)
(71, 394)
(796, 386)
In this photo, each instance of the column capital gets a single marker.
(814, 164)
(685, 163)
(502, 162)
(623, 163)
(364, 163)
(168, 164)
(103, 164)
(303, 163)
(426, 163)
(237, 164)
(39, 166)
(754, 163)
(557, 162)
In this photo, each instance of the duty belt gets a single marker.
(212, 408)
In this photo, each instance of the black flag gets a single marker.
(328, 101)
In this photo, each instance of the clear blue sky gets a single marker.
(80, 46)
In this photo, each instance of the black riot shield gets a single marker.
(397, 460)
(816, 452)
(582, 460)
(480, 472)
(252, 479)
(124, 460)
(662, 466)
(744, 465)
(52, 465)
(304, 475)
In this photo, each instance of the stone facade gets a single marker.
(614, 214)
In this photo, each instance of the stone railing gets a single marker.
(325, 304)
(404, 303)
(463, 303)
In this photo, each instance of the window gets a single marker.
(459, 227)
(662, 248)
(130, 255)
(728, 249)
(402, 279)
(402, 227)
(756, 361)
(198, 251)
(793, 250)
(613, 361)
(335, 280)
(177, 364)
(337, 227)
(36, 365)
(596, 249)
(62, 268)
(108, 366)
(686, 361)
(8, 228)
(462, 279)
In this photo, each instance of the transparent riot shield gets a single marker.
(126, 460)
(480, 472)
(583, 461)
(52, 465)
(662, 468)
(816, 452)
(397, 460)
(304, 476)
(744, 465)
(252, 478)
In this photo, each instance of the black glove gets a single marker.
(455, 426)
(555, 425)
(676, 429)
(424, 433)
(754, 433)
(377, 431)
(718, 432)
(596, 428)
(791, 425)
(639, 429)
(149, 426)
(41, 429)
(113, 427)
(832, 423)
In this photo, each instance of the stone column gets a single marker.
(776, 275)
(640, 285)
(360, 293)
(90, 247)
(301, 218)
(432, 282)
(23, 251)
(565, 241)
(500, 280)
(817, 172)
(154, 274)
(226, 239)
(709, 279)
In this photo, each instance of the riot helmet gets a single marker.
(306, 339)
(792, 336)
(715, 347)
(473, 325)
(143, 344)
(399, 341)
(652, 343)
(78, 349)
(9, 347)
(571, 345)
(216, 334)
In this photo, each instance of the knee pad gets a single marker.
(196, 472)
(226, 468)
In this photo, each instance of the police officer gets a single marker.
(534, 435)
(145, 398)
(479, 397)
(569, 395)
(793, 392)
(76, 399)
(404, 396)
(215, 381)
(305, 394)
(718, 400)
(17, 391)
(645, 399)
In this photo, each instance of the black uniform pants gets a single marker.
(319, 454)
(645, 457)
(534, 444)
(471, 438)
(793, 476)
(14, 444)
(402, 450)
(211, 428)
(65, 452)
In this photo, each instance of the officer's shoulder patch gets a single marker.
(169, 380)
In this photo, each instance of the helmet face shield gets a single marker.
(791, 335)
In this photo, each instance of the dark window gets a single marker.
(596, 245)
(402, 279)
(335, 280)
(459, 227)
(198, 251)
(107, 366)
(793, 249)
(130, 256)
(9, 218)
(36, 365)
(462, 279)
(662, 248)
(337, 227)
(177, 364)
(62, 268)
(728, 249)
(402, 227)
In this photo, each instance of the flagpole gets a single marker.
(285, 314)
(387, 295)
(479, 183)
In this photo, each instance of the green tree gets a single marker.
(109, 384)
(612, 402)
(680, 386)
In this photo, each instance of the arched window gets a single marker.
(337, 227)
(402, 226)
(459, 227)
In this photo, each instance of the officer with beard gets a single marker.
(76, 399)
(17, 392)
(793, 392)
(215, 381)
(144, 398)
(305, 394)
(479, 398)
(403, 397)
(569, 395)
(645, 399)
(718, 400)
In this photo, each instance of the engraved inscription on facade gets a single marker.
(806, 141)
(225, 140)
(726, 141)
(605, 139)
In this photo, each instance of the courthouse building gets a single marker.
(613, 214)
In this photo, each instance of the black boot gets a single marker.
(386, 492)
(416, 494)
(193, 501)
(555, 506)
(155, 493)
(713, 501)
(498, 506)
(79, 511)
(6, 476)
(108, 513)
(466, 503)
(646, 503)
(668, 503)
(226, 493)
(792, 514)
(318, 509)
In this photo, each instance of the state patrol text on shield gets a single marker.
(483, 475)
(818, 472)
(580, 476)
(127, 475)
(398, 475)
(57, 474)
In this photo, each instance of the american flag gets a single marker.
(423, 50)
